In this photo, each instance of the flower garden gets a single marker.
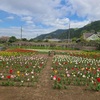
(76, 69)
(20, 67)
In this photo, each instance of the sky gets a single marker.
(38, 17)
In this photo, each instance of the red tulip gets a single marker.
(8, 76)
(58, 79)
(87, 69)
(27, 66)
(99, 69)
(11, 71)
(98, 79)
(72, 68)
(41, 65)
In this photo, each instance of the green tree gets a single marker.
(46, 40)
(74, 39)
(24, 39)
(12, 39)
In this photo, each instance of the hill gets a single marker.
(64, 33)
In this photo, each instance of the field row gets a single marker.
(20, 69)
(75, 70)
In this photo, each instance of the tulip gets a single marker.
(98, 79)
(2, 77)
(32, 72)
(55, 71)
(83, 76)
(58, 79)
(18, 72)
(68, 75)
(22, 81)
(54, 77)
(8, 76)
(28, 79)
(11, 71)
(32, 76)
(12, 76)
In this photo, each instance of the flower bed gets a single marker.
(20, 50)
(20, 69)
(75, 71)
(16, 52)
(86, 54)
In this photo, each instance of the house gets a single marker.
(98, 33)
(93, 37)
(90, 36)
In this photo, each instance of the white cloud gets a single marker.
(27, 19)
(57, 23)
(78, 24)
(49, 13)
(86, 8)
(26, 32)
(32, 32)
(9, 32)
(29, 7)
(45, 9)
(39, 10)
(10, 18)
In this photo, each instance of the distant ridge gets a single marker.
(63, 33)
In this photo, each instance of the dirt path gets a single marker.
(44, 81)
(44, 91)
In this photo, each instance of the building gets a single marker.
(91, 36)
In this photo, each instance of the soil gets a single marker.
(44, 91)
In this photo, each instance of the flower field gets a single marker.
(76, 69)
(40, 76)
(20, 67)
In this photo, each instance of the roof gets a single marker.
(98, 33)
(93, 37)
(86, 35)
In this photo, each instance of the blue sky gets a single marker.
(43, 16)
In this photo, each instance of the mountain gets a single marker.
(54, 34)
(71, 33)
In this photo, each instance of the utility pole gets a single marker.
(21, 32)
(69, 33)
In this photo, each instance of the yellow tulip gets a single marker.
(55, 71)
(90, 69)
(18, 72)
(23, 75)
(82, 69)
